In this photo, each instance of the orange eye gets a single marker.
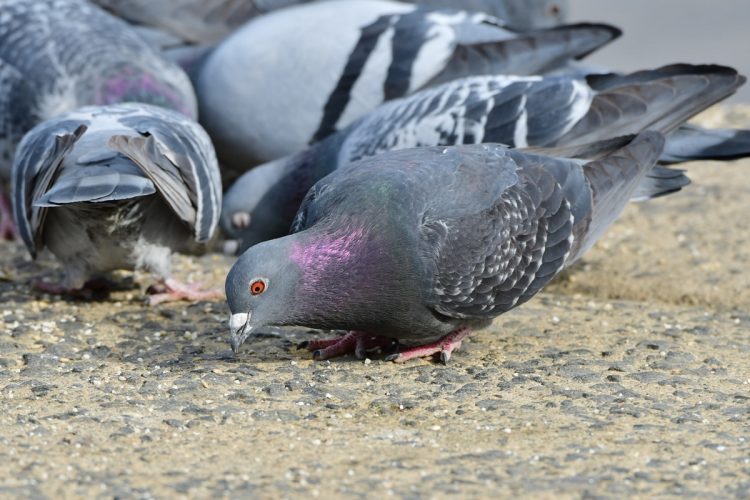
(257, 287)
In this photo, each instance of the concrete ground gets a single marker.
(630, 375)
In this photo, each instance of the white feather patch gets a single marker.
(521, 132)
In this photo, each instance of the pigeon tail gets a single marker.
(613, 180)
(690, 142)
(660, 181)
(527, 53)
(95, 185)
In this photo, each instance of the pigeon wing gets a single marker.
(489, 260)
(37, 164)
(177, 156)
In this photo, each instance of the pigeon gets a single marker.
(425, 245)
(117, 187)
(185, 31)
(209, 21)
(59, 55)
(516, 111)
(272, 88)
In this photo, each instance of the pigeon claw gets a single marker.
(8, 228)
(314, 345)
(445, 356)
(443, 347)
(357, 343)
(96, 288)
(172, 290)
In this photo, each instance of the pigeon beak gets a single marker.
(239, 329)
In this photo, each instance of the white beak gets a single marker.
(239, 329)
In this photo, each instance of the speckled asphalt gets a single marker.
(629, 376)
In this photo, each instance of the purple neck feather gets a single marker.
(349, 277)
(327, 255)
(131, 84)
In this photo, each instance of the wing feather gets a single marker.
(38, 159)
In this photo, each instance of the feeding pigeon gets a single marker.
(208, 21)
(275, 86)
(59, 55)
(117, 187)
(427, 244)
(517, 111)
(186, 30)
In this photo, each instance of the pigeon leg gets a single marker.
(172, 290)
(90, 289)
(444, 346)
(353, 342)
(314, 345)
(8, 229)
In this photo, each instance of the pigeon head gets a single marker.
(261, 289)
(259, 219)
(337, 276)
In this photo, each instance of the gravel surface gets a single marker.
(630, 375)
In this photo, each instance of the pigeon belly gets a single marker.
(91, 239)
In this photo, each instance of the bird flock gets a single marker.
(401, 171)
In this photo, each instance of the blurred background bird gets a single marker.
(117, 187)
(520, 112)
(58, 55)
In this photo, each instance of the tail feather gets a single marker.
(690, 142)
(660, 100)
(613, 180)
(95, 185)
(527, 53)
(660, 181)
(589, 151)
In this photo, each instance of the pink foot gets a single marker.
(172, 290)
(91, 289)
(8, 229)
(353, 342)
(445, 346)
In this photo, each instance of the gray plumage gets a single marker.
(517, 111)
(208, 21)
(417, 243)
(195, 21)
(691, 142)
(59, 55)
(116, 187)
(263, 95)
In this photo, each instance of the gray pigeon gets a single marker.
(275, 86)
(59, 55)
(425, 245)
(528, 111)
(186, 30)
(208, 21)
(117, 187)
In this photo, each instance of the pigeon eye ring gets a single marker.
(257, 286)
